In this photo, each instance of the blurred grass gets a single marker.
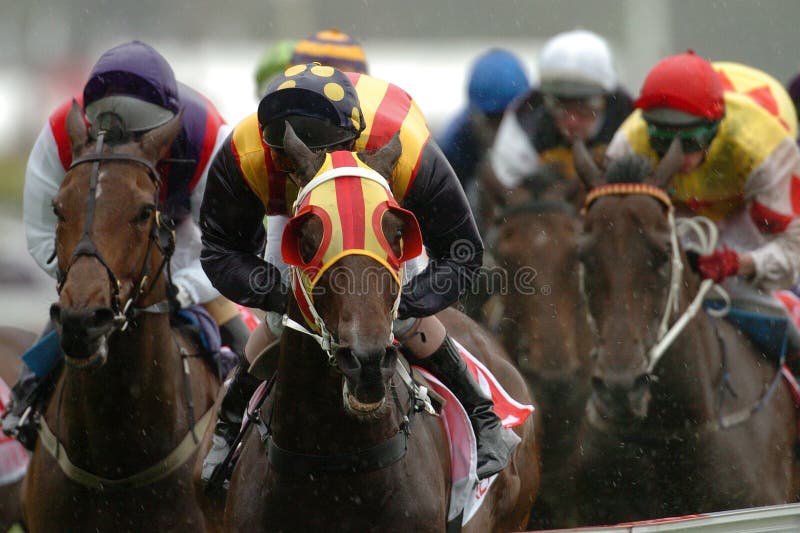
(12, 177)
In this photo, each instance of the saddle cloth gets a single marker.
(13, 457)
(467, 494)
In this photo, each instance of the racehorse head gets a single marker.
(535, 245)
(347, 242)
(632, 277)
(110, 257)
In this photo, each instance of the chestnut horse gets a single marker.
(543, 325)
(685, 416)
(342, 444)
(122, 422)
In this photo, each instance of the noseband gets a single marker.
(124, 314)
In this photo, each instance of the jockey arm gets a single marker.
(776, 263)
(233, 237)
(513, 156)
(43, 176)
(187, 272)
(450, 236)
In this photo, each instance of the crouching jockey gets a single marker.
(251, 176)
(131, 86)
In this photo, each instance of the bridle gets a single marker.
(707, 235)
(324, 337)
(123, 313)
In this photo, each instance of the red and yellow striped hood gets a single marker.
(350, 199)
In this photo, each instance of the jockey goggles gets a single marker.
(582, 106)
(695, 139)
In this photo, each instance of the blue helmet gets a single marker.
(497, 77)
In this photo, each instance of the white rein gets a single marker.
(707, 235)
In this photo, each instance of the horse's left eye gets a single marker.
(144, 215)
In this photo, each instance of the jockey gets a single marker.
(136, 85)
(496, 78)
(274, 61)
(249, 177)
(740, 169)
(578, 98)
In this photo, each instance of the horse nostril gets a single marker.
(55, 313)
(389, 360)
(598, 383)
(102, 317)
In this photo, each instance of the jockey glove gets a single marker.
(719, 265)
(182, 296)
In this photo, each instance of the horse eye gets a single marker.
(144, 214)
(57, 213)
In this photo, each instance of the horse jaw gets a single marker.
(356, 408)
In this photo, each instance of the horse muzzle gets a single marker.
(366, 376)
(84, 335)
(619, 402)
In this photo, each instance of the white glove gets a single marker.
(274, 323)
(183, 297)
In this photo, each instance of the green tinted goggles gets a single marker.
(692, 140)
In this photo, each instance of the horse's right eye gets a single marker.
(144, 215)
(57, 213)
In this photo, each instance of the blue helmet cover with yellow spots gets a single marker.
(314, 91)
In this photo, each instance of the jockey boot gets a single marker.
(229, 422)
(447, 364)
(19, 420)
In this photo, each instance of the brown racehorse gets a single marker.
(345, 448)
(543, 325)
(681, 421)
(13, 342)
(116, 437)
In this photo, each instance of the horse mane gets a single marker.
(629, 169)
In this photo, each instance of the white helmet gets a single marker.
(576, 64)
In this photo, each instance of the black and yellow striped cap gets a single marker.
(331, 47)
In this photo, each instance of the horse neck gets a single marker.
(134, 402)
(308, 412)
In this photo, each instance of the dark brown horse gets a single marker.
(543, 325)
(685, 416)
(117, 435)
(346, 450)
(13, 342)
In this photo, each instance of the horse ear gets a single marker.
(385, 160)
(306, 162)
(156, 142)
(585, 166)
(76, 129)
(669, 165)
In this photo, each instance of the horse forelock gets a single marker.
(629, 169)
